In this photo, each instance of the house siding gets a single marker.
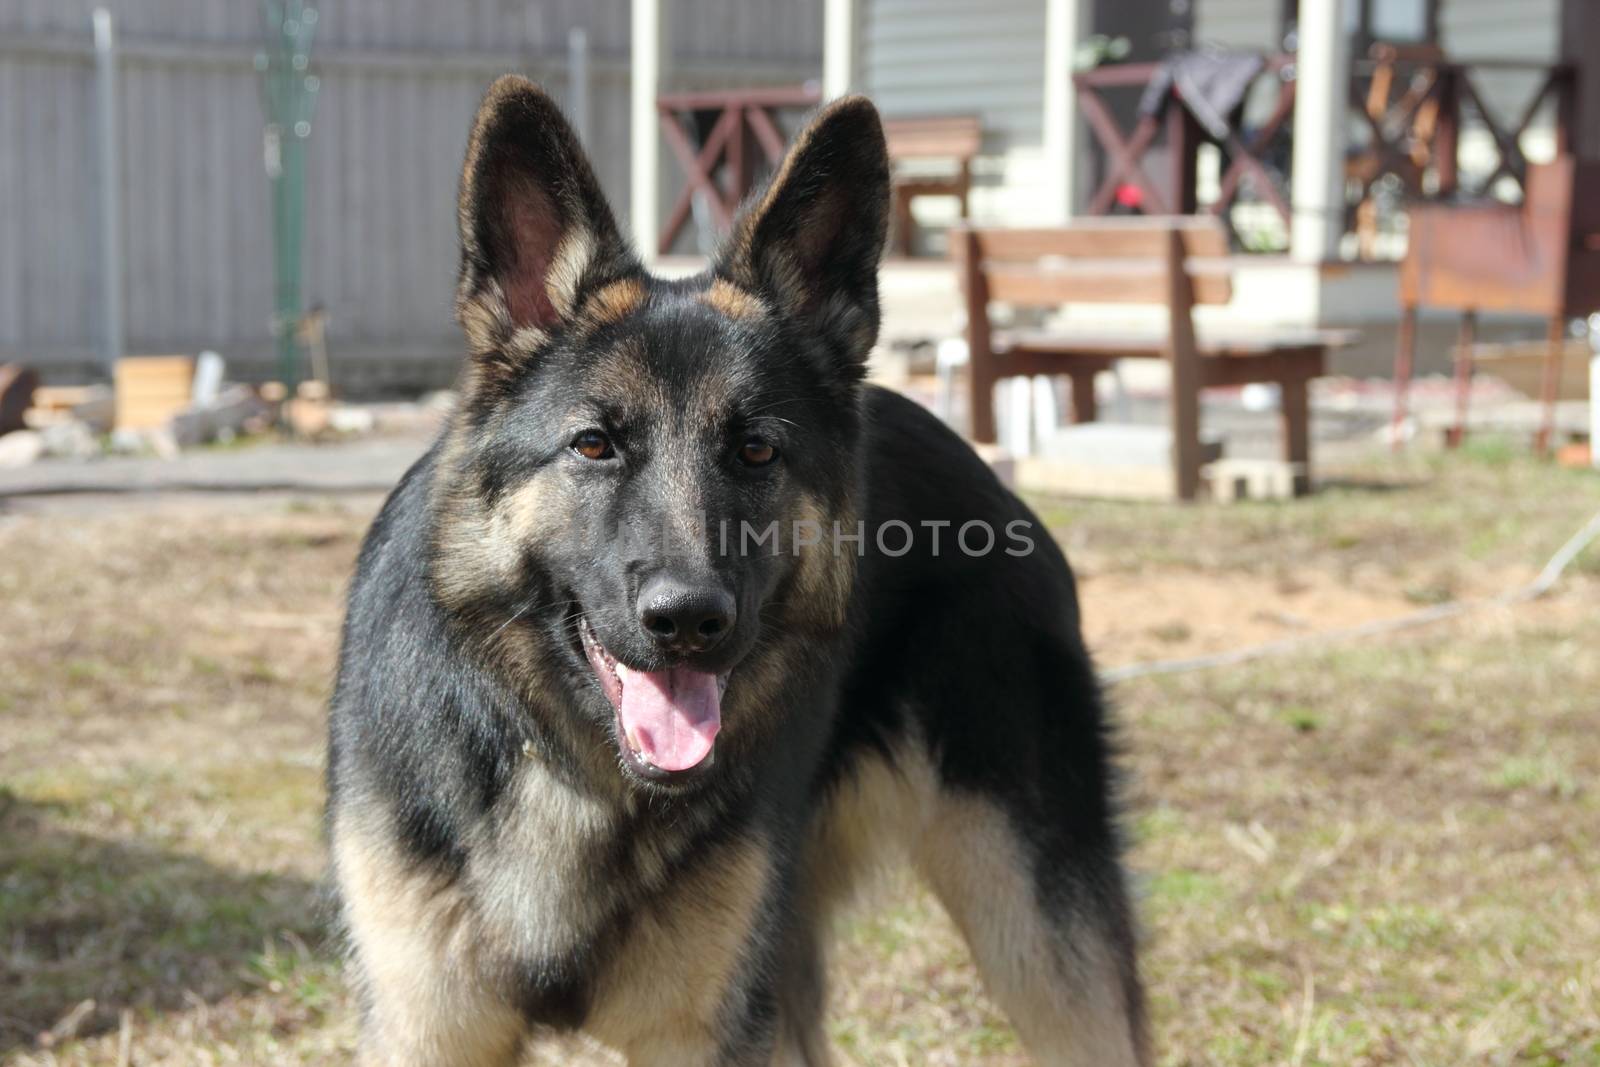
(954, 57)
(1242, 25)
(1472, 29)
(1495, 29)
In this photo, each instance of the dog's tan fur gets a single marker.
(485, 543)
(730, 300)
(892, 811)
(615, 302)
(1055, 980)
(423, 975)
(826, 575)
(434, 952)
(660, 998)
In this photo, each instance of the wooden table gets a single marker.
(955, 138)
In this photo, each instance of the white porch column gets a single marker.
(840, 32)
(649, 56)
(1066, 22)
(1321, 118)
(1594, 400)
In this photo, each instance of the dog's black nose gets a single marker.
(685, 617)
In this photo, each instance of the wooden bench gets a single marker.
(1177, 263)
(953, 138)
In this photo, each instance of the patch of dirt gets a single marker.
(1172, 613)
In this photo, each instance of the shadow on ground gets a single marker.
(1372, 484)
(127, 924)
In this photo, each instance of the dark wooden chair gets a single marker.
(1540, 257)
(954, 139)
(1177, 263)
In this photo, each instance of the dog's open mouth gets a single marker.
(667, 721)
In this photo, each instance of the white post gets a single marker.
(107, 186)
(1594, 392)
(1065, 24)
(1594, 411)
(644, 216)
(578, 83)
(839, 40)
(1321, 117)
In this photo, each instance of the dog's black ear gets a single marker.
(536, 230)
(811, 243)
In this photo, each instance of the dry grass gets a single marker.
(1371, 854)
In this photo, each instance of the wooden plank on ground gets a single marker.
(152, 389)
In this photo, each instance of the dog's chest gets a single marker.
(556, 868)
(531, 869)
(626, 924)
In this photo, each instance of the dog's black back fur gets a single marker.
(502, 866)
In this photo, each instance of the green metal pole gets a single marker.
(289, 97)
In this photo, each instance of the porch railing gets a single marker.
(1448, 89)
(1126, 149)
(739, 115)
(1424, 158)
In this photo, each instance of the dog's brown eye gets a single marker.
(757, 453)
(592, 444)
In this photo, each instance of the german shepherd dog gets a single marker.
(587, 776)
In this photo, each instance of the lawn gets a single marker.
(1371, 852)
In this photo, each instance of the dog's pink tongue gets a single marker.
(672, 716)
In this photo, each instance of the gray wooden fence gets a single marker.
(400, 80)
